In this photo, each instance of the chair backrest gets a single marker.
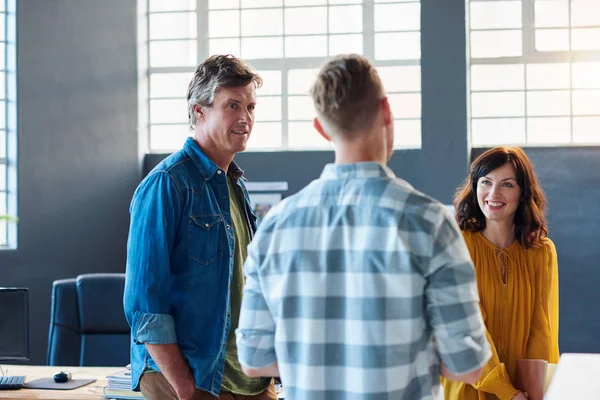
(87, 322)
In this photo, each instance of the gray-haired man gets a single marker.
(190, 226)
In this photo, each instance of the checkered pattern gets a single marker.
(357, 286)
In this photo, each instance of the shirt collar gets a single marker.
(356, 170)
(206, 166)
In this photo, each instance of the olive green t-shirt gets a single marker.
(234, 379)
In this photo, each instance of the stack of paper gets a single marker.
(119, 386)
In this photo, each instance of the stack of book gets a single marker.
(119, 386)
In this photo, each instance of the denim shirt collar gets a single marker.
(206, 166)
(356, 170)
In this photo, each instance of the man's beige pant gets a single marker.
(155, 386)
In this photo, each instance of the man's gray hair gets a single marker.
(218, 71)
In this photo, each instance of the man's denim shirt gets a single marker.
(179, 264)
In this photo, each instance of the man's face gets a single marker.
(228, 122)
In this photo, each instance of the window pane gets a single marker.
(498, 104)
(552, 14)
(490, 44)
(223, 23)
(407, 134)
(345, 19)
(549, 130)
(220, 4)
(585, 13)
(167, 138)
(401, 79)
(305, 20)
(3, 203)
(264, 47)
(172, 5)
(170, 85)
(173, 26)
(586, 102)
(224, 46)
(585, 39)
(2, 26)
(551, 39)
(345, 1)
(2, 85)
(586, 129)
(261, 3)
(301, 80)
(301, 108)
(495, 14)
(305, 46)
(548, 76)
(344, 44)
(2, 114)
(262, 22)
(304, 2)
(398, 17)
(268, 109)
(406, 105)
(497, 77)
(2, 153)
(168, 111)
(176, 53)
(271, 83)
(549, 103)
(487, 132)
(265, 135)
(2, 56)
(586, 75)
(398, 46)
(302, 135)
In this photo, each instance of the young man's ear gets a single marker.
(388, 116)
(320, 129)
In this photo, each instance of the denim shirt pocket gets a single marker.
(205, 245)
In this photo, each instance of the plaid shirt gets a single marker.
(357, 286)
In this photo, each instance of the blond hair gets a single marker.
(347, 94)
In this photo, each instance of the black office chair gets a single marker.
(87, 322)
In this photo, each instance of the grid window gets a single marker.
(7, 124)
(535, 72)
(286, 41)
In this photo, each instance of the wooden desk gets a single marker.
(93, 391)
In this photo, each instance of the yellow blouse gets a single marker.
(521, 314)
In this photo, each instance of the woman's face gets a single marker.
(498, 194)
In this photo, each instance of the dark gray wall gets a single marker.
(78, 162)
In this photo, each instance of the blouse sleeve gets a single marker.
(494, 378)
(543, 339)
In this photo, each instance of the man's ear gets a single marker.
(388, 116)
(199, 112)
(320, 129)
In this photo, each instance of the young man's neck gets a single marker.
(217, 156)
(500, 233)
(359, 150)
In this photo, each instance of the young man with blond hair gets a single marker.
(359, 286)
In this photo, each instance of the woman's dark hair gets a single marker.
(530, 218)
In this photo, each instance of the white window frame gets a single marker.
(531, 56)
(8, 160)
(280, 64)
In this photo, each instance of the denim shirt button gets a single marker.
(228, 226)
(219, 172)
(206, 225)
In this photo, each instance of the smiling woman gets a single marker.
(500, 210)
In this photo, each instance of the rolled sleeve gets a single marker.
(154, 329)
(453, 303)
(256, 328)
(155, 217)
